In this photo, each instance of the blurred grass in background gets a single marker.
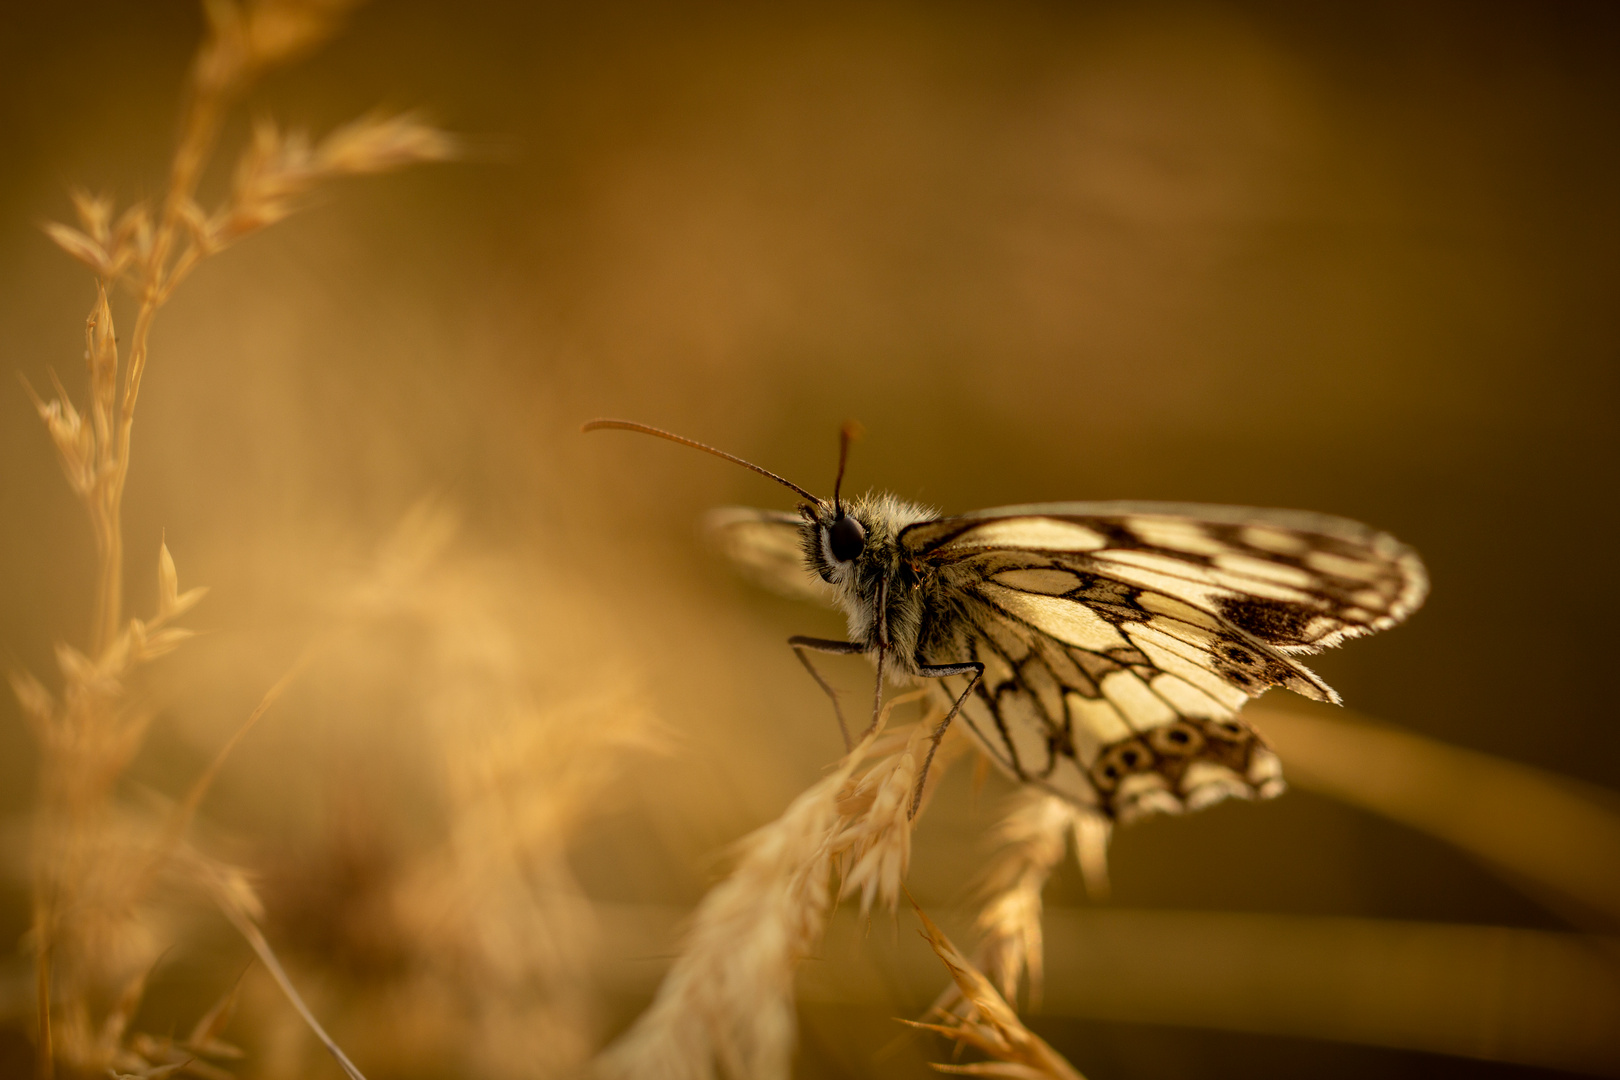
(1360, 261)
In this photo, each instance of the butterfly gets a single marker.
(1100, 651)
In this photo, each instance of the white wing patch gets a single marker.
(1186, 699)
(1044, 533)
(1096, 724)
(1139, 705)
(1071, 623)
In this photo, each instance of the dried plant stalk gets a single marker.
(726, 1006)
(497, 929)
(989, 1024)
(728, 999)
(90, 856)
(93, 935)
(1500, 811)
(244, 917)
(1034, 840)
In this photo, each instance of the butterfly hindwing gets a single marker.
(768, 547)
(1115, 728)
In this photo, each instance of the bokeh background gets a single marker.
(1358, 259)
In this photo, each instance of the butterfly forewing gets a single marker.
(1119, 639)
(1299, 582)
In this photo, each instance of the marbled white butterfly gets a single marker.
(1098, 650)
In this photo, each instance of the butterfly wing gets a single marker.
(1120, 639)
(768, 547)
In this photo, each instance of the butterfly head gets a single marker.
(837, 539)
(844, 539)
(848, 544)
(851, 544)
(857, 540)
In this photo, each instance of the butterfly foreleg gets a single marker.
(975, 671)
(799, 644)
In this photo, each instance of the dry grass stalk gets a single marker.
(726, 1007)
(157, 1057)
(1497, 810)
(92, 858)
(989, 1024)
(1034, 840)
(873, 842)
(92, 934)
(498, 934)
(728, 999)
(244, 916)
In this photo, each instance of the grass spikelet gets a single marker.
(92, 931)
(95, 926)
(1034, 840)
(726, 1007)
(874, 838)
(989, 1024)
(728, 999)
(280, 166)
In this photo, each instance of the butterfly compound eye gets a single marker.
(846, 538)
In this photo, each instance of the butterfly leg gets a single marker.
(940, 671)
(800, 644)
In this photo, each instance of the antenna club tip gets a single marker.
(853, 430)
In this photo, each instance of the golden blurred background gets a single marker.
(1357, 259)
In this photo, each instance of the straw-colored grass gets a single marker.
(726, 1007)
(495, 938)
(1034, 838)
(985, 1022)
(486, 943)
(97, 925)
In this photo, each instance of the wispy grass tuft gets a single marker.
(492, 930)
(1034, 841)
(726, 1007)
(97, 928)
(985, 1022)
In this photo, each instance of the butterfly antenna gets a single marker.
(645, 429)
(846, 435)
